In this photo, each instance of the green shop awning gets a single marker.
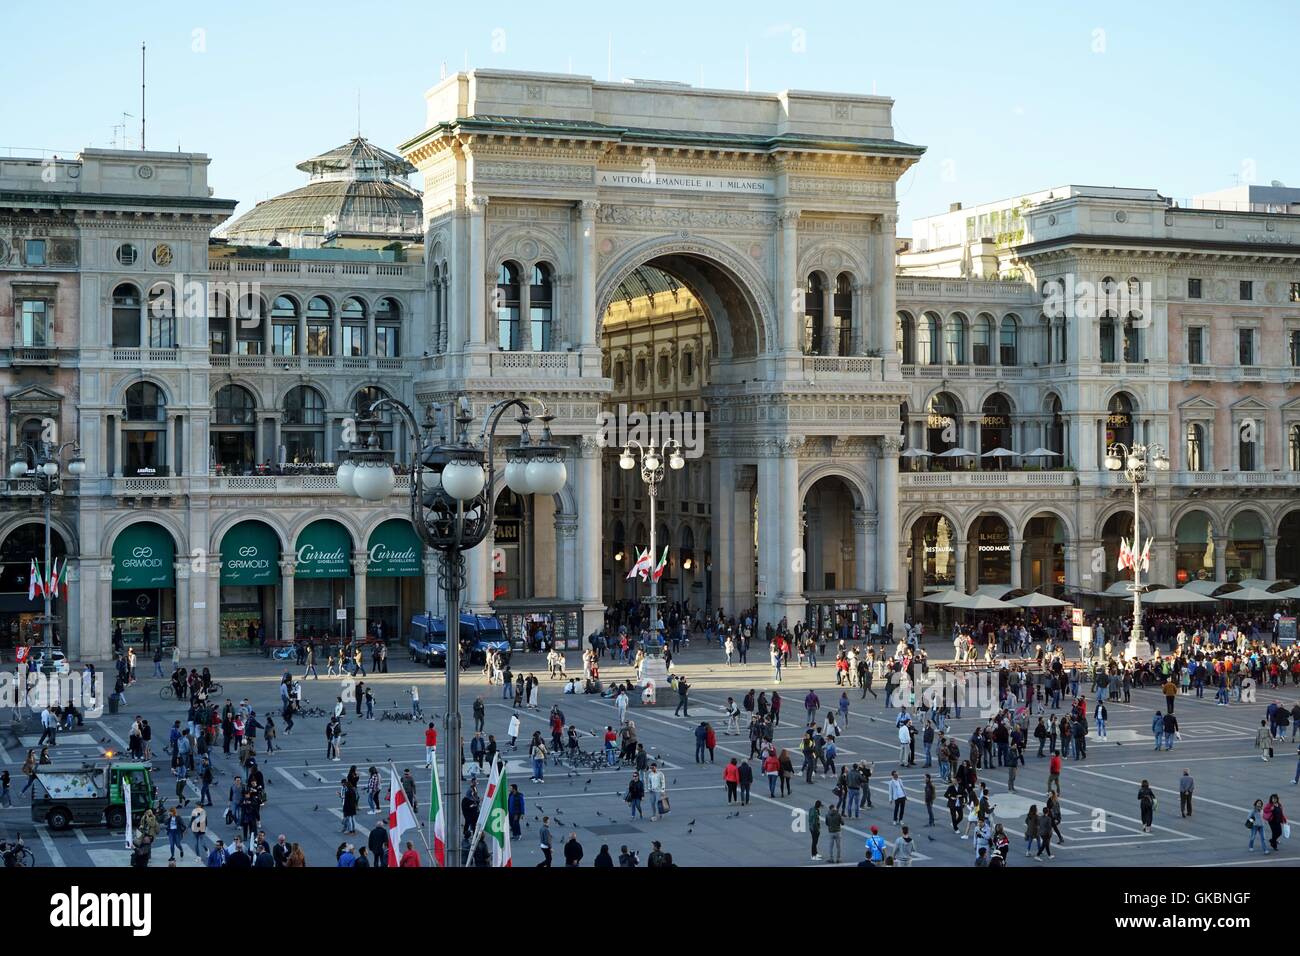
(324, 551)
(250, 555)
(143, 557)
(395, 551)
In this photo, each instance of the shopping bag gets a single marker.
(1286, 830)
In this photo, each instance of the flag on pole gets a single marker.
(62, 580)
(54, 579)
(400, 817)
(494, 821)
(1145, 561)
(35, 586)
(436, 817)
(642, 566)
(663, 563)
(636, 566)
(1125, 556)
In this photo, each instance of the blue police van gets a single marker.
(479, 633)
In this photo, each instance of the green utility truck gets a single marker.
(92, 794)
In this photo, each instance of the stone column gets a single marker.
(863, 334)
(432, 592)
(1270, 558)
(887, 533)
(789, 307)
(742, 540)
(816, 556)
(722, 498)
(588, 322)
(288, 563)
(185, 632)
(336, 337)
(1071, 567)
(828, 318)
(589, 552)
(360, 592)
(918, 567)
(882, 289)
(959, 552)
(169, 459)
(790, 512)
(212, 589)
(1017, 570)
(302, 332)
(864, 544)
(1220, 557)
(477, 271)
(477, 598)
(72, 611)
(97, 614)
(770, 558)
(567, 563)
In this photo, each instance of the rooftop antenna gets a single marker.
(121, 127)
(142, 97)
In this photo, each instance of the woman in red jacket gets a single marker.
(731, 776)
(410, 858)
(772, 769)
(710, 740)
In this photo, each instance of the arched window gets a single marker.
(508, 306)
(982, 340)
(1061, 342)
(541, 308)
(284, 326)
(1107, 341)
(303, 431)
(233, 432)
(813, 315)
(1056, 430)
(943, 427)
(927, 340)
(1132, 339)
(905, 338)
(1247, 445)
(1119, 421)
(353, 315)
(144, 442)
(1009, 341)
(383, 423)
(126, 317)
(145, 403)
(388, 327)
(995, 430)
(250, 313)
(620, 374)
(320, 326)
(843, 305)
(1195, 447)
(954, 339)
(162, 317)
(219, 325)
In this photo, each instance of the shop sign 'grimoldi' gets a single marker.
(248, 560)
(142, 557)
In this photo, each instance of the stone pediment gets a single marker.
(33, 395)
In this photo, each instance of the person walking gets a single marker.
(1185, 787)
(1054, 775)
(199, 827)
(746, 782)
(1031, 830)
(904, 848)
(634, 795)
(657, 784)
(929, 800)
(1264, 741)
(1046, 827)
(731, 777)
(683, 698)
(1276, 818)
(1256, 821)
(834, 826)
(898, 795)
(815, 828)
(771, 770)
(1147, 805)
(545, 841)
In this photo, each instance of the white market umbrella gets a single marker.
(944, 597)
(1204, 587)
(1249, 595)
(1176, 596)
(957, 452)
(1041, 453)
(916, 453)
(1000, 453)
(1034, 599)
(1290, 594)
(1120, 589)
(983, 602)
(994, 590)
(1260, 583)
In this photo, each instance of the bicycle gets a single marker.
(16, 854)
(285, 654)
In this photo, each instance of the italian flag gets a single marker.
(35, 586)
(59, 578)
(494, 821)
(663, 563)
(436, 817)
(641, 566)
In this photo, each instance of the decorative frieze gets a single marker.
(563, 173)
(681, 217)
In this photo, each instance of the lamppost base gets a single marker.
(1137, 649)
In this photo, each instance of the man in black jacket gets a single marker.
(378, 844)
(280, 852)
(572, 851)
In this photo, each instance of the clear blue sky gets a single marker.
(1182, 97)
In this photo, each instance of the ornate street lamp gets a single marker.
(652, 473)
(451, 509)
(1134, 461)
(46, 472)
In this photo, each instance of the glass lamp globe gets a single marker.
(651, 461)
(1162, 463)
(77, 467)
(50, 468)
(430, 480)
(18, 469)
(517, 479)
(373, 481)
(675, 461)
(546, 477)
(463, 480)
(626, 461)
(1133, 463)
(344, 478)
(1112, 463)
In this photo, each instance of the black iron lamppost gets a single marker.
(451, 508)
(1133, 461)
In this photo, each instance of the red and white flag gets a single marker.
(1144, 562)
(400, 818)
(1125, 556)
(35, 586)
(641, 566)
